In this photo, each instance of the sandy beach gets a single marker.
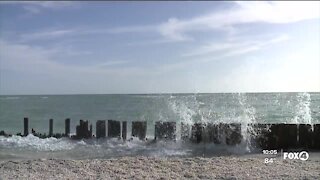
(223, 167)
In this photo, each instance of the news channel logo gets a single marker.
(303, 155)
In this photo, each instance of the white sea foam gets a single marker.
(11, 97)
(239, 108)
(184, 108)
(246, 118)
(32, 142)
(33, 147)
(303, 111)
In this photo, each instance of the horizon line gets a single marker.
(164, 93)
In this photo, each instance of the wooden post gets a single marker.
(78, 132)
(139, 129)
(90, 132)
(305, 136)
(185, 131)
(114, 128)
(287, 136)
(272, 140)
(197, 132)
(26, 126)
(101, 129)
(316, 136)
(259, 136)
(50, 127)
(212, 134)
(165, 130)
(282, 136)
(67, 127)
(82, 130)
(124, 130)
(233, 133)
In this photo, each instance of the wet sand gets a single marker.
(223, 167)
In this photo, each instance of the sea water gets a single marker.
(244, 108)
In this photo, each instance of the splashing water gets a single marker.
(243, 108)
(191, 109)
(34, 143)
(184, 109)
(247, 119)
(303, 111)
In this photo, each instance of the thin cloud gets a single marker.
(178, 30)
(279, 12)
(111, 63)
(235, 48)
(35, 7)
(243, 13)
(47, 34)
(219, 51)
(67, 78)
(22, 57)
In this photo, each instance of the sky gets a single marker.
(159, 47)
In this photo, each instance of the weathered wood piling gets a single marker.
(258, 135)
(197, 132)
(114, 128)
(124, 130)
(101, 129)
(83, 131)
(139, 129)
(221, 133)
(165, 130)
(286, 136)
(67, 127)
(50, 127)
(264, 136)
(185, 131)
(305, 136)
(316, 136)
(233, 133)
(26, 126)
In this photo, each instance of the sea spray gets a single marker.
(184, 109)
(32, 142)
(247, 120)
(303, 111)
(204, 109)
(265, 108)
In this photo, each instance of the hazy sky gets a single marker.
(158, 47)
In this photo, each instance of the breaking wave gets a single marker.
(32, 142)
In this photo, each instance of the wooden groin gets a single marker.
(265, 136)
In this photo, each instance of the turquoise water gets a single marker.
(228, 107)
(243, 108)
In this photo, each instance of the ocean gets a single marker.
(242, 108)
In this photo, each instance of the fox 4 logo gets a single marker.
(303, 155)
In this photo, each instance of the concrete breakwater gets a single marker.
(265, 136)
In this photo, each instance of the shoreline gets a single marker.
(143, 167)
